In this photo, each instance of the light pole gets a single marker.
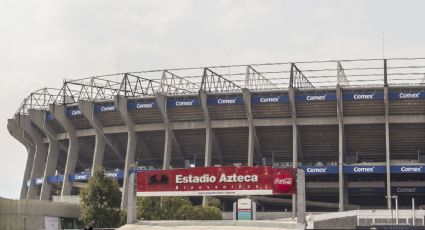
(395, 197)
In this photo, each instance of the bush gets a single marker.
(176, 208)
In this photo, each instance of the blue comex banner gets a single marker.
(133, 105)
(49, 117)
(229, 100)
(269, 99)
(73, 111)
(408, 169)
(372, 190)
(406, 95)
(315, 97)
(320, 170)
(115, 174)
(363, 96)
(38, 181)
(104, 108)
(407, 189)
(80, 177)
(55, 179)
(182, 102)
(356, 169)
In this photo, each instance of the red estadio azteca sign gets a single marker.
(216, 181)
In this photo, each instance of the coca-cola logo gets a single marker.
(283, 182)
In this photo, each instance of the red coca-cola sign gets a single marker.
(216, 181)
(283, 181)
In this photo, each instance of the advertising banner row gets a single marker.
(309, 170)
(255, 99)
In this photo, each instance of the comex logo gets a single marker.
(364, 169)
(269, 99)
(316, 170)
(226, 101)
(409, 95)
(411, 169)
(405, 190)
(81, 177)
(316, 98)
(107, 108)
(144, 105)
(111, 174)
(184, 103)
(75, 112)
(363, 96)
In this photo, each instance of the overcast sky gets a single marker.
(42, 42)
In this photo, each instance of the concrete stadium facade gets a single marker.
(358, 142)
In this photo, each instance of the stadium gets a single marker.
(356, 127)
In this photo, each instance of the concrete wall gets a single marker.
(348, 222)
(29, 214)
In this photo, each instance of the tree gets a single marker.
(100, 201)
(176, 208)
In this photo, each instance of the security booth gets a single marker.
(244, 209)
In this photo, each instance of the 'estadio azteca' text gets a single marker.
(206, 178)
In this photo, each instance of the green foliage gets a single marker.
(100, 201)
(176, 208)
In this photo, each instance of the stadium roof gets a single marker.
(358, 73)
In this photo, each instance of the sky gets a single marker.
(42, 42)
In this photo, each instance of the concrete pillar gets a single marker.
(19, 134)
(170, 138)
(59, 112)
(132, 199)
(341, 153)
(168, 145)
(209, 135)
(121, 105)
(251, 130)
(387, 147)
(38, 165)
(291, 94)
(38, 118)
(301, 200)
(87, 109)
(208, 130)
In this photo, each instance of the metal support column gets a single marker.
(291, 92)
(340, 149)
(387, 137)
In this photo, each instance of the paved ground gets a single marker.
(213, 225)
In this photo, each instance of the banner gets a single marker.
(269, 99)
(133, 105)
(315, 97)
(225, 100)
(182, 102)
(363, 96)
(216, 181)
